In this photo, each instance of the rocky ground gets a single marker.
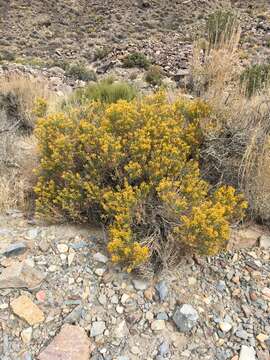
(61, 298)
(100, 32)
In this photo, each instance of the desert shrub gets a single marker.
(7, 55)
(20, 98)
(107, 91)
(136, 59)
(154, 75)
(101, 52)
(81, 72)
(222, 25)
(134, 165)
(255, 78)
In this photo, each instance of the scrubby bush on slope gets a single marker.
(134, 165)
(107, 91)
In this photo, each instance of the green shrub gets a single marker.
(154, 75)
(106, 91)
(136, 59)
(7, 55)
(221, 27)
(101, 52)
(255, 78)
(81, 72)
(134, 166)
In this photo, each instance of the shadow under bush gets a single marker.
(134, 165)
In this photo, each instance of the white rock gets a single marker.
(135, 350)
(124, 298)
(100, 258)
(149, 316)
(3, 306)
(225, 326)
(192, 281)
(140, 284)
(121, 330)
(26, 335)
(119, 309)
(52, 268)
(63, 258)
(100, 271)
(264, 242)
(158, 325)
(62, 248)
(71, 257)
(98, 328)
(102, 299)
(247, 353)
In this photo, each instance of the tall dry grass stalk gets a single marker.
(236, 150)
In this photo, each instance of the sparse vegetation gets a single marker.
(136, 59)
(101, 52)
(19, 98)
(7, 55)
(154, 75)
(106, 91)
(222, 26)
(255, 78)
(81, 72)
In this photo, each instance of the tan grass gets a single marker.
(27, 90)
(237, 150)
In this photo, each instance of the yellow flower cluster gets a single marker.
(134, 165)
(40, 107)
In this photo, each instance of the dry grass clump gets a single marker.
(21, 97)
(236, 149)
(22, 101)
(17, 161)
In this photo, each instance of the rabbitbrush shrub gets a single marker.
(134, 165)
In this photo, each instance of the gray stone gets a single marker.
(78, 245)
(15, 249)
(100, 258)
(140, 284)
(75, 315)
(185, 317)
(162, 290)
(247, 353)
(26, 356)
(21, 275)
(164, 348)
(162, 316)
(98, 328)
(242, 334)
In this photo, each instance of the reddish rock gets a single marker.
(71, 343)
(41, 296)
(253, 296)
